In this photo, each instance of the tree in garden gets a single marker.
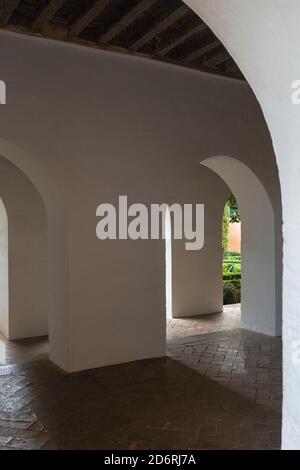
(234, 209)
(231, 215)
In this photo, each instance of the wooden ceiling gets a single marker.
(165, 30)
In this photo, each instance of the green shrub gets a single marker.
(233, 254)
(231, 268)
(231, 265)
(229, 294)
(232, 277)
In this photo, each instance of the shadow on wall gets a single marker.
(4, 302)
(23, 251)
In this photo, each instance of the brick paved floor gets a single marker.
(220, 389)
(228, 320)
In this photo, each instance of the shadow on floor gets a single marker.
(215, 391)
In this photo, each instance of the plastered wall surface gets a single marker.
(24, 254)
(260, 302)
(252, 31)
(87, 126)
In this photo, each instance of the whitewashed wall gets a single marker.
(263, 37)
(87, 126)
(259, 309)
(24, 253)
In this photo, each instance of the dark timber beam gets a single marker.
(7, 8)
(160, 27)
(88, 17)
(46, 15)
(217, 59)
(126, 21)
(232, 67)
(201, 52)
(179, 40)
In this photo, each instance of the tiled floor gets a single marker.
(219, 387)
(228, 320)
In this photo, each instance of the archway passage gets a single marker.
(260, 310)
(231, 248)
(23, 256)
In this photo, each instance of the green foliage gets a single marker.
(232, 255)
(225, 228)
(229, 294)
(232, 293)
(231, 261)
(231, 264)
(232, 278)
(231, 214)
(234, 209)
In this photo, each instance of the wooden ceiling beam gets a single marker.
(79, 25)
(232, 68)
(217, 59)
(181, 39)
(46, 15)
(160, 27)
(43, 25)
(6, 10)
(201, 52)
(126, 21)
(52, 33)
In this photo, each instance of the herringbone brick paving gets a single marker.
(215, 390)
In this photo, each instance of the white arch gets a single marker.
(263, 37)
(259, 303)
(23, 248)
(25, 193)
(56, 302)
(32, 167)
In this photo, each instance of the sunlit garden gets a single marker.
(231, 259)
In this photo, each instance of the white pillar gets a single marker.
(264, 39)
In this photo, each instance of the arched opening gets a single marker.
(231, 249)
(260, 306)
(23, 256)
